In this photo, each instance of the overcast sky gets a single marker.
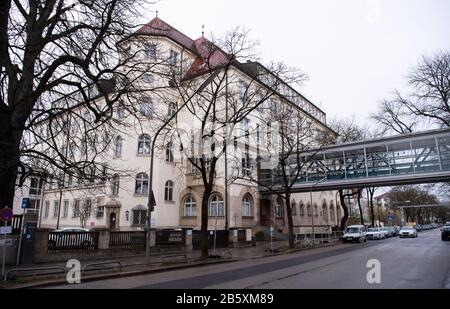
(355, 51)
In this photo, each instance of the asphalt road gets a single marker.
(423, 262)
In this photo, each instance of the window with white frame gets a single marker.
(118, 146)
(115, 183)
(55, 209)
(302, 209)
(144, 144)
(76, 209)
(279, 208)
(36, 185)
(245, 126)
(141, 186)
(172, 109)
(150, 51)
(169, 152)
(173, 57)
(190, 207)
(146, 107)
(65, 209)
(46, 209)
(100, 212)
(139, 216)
(168, 191)
(246, 206)
(216, 208)
(246, 165)
(120, 112)
(87, 207)
(243, 90)
(293, 208)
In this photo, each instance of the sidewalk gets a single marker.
(135, 265)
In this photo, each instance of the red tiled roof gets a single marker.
(209, 57)
(159, 27)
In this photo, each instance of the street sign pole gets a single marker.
(4, 255)
(22, 223)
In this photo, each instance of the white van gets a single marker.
(355, 233)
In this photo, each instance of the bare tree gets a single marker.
(232, 92)
(292, 140)
(65, 67)
(427, 100)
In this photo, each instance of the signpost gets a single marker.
(6, 215)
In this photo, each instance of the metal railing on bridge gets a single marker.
(404, 159)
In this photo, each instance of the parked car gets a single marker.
(355, 233)
(374, 233)
(408, 231)
(445, 232)
(387, 231)
(70, 236)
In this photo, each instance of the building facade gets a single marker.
(120, 200)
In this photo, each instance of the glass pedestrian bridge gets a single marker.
(422, 157)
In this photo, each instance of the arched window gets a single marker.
(293, 208)
(315, 210)
(172, 109)
(279, 208)
(141, 184)
(332, 214)
(146, 107)
(246, 206)
(169, 152)
(168, 191)
(115, 183)
(309, 210)
(302, 208)
(216, 206)
(325, 211)
(144, 144)
(338, 212)
(190, 206)
(118, 146)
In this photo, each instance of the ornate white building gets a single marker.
(120, 202)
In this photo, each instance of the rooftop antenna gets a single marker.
(203, 31)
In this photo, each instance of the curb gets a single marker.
(122, 274)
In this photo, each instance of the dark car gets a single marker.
(445, 232)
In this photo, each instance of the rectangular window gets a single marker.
(66, 208)
(100, 212)
(46, 209)
(139, 216)
(36, 186)
(173, 57)
(150, 51)
(88, 208)
(55, 209)
(243, 91)
(246, 166)
(76, 209)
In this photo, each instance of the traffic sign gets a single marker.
(4, 230)
(25, 202)
(6, 214)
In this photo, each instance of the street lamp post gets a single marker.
(312, 209)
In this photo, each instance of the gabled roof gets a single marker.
(209, 56)
(158, 27)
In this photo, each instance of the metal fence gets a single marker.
(72, 241)
(169, 238)
(133, 239)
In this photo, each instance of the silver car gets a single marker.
(408, 231)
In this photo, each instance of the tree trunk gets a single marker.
(204, 237)
(361, 216)
(9, 162)
(290, 221)
(370, 192)
(345, 208)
